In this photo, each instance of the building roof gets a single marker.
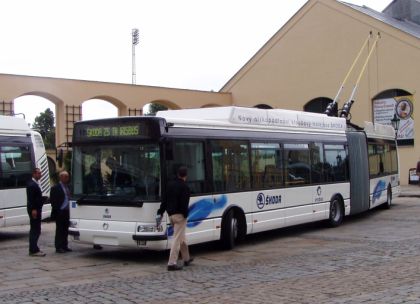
(406, 26)
(398, 14)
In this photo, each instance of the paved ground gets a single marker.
(371, 258)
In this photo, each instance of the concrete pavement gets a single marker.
(371, 258)
(410, 191)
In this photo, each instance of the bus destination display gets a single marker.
(118, 131)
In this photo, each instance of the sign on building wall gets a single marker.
(384, 110)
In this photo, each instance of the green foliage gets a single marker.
(44, 124)
(154, 108)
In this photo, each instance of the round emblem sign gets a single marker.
(260, 200)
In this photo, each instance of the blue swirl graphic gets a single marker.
(377, 191)
(200, 210)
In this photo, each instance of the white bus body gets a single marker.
(21, 150)
(250, 170)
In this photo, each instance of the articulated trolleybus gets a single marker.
(21, 150)
(249, 170)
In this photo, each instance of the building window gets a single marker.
(317, 105)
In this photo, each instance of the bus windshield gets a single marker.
(125, 171)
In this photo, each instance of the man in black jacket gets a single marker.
(59, 198)
(34, 207)
(175, 202)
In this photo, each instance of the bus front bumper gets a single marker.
(121, 234)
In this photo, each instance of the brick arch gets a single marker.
(54, 99)
(68, 95)
(122, 108)
(64, 126)
(112, 100)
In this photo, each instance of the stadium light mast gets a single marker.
(134, 42)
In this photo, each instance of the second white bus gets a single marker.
(21, 150)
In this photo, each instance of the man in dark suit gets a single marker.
(59, 198)
(34, 207)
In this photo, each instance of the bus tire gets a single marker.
(336, 212)
(230, 230)
(388, 202)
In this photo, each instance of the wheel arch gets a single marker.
(239, 213)
(339, 196)
(333, 220)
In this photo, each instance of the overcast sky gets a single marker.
(191, 44)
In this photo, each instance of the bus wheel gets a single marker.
(336, 212)
(388, 202)
(230, 227)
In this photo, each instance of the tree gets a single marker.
(44, 124)
(154, 108)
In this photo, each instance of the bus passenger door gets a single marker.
(189, 153)
(298, 193)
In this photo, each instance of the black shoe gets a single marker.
(60, 250)
(37, 254)
(188, 263)
(97, 247)
(68, 249)
(174, 267)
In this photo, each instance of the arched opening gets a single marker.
(211, 105)
(40, 114)
(32, 106)
(392, 94)
(153, 107)
(396, 103)
(98, 108)
(263, 106)
(317, 105)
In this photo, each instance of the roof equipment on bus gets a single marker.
(347, 106)
(332, 108)
(243, 118)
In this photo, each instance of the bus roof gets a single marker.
(242, 117)
(10, 125)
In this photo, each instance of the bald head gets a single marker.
(64, 177)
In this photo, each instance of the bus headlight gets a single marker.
(73, 224)
(148, 228)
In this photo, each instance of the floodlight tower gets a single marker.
(134, 42)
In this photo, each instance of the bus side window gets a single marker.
(189, 154)
(337, 163)
(317, 163)
(298, 164)
(230, 161)
(266, 165)
(15, 166)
